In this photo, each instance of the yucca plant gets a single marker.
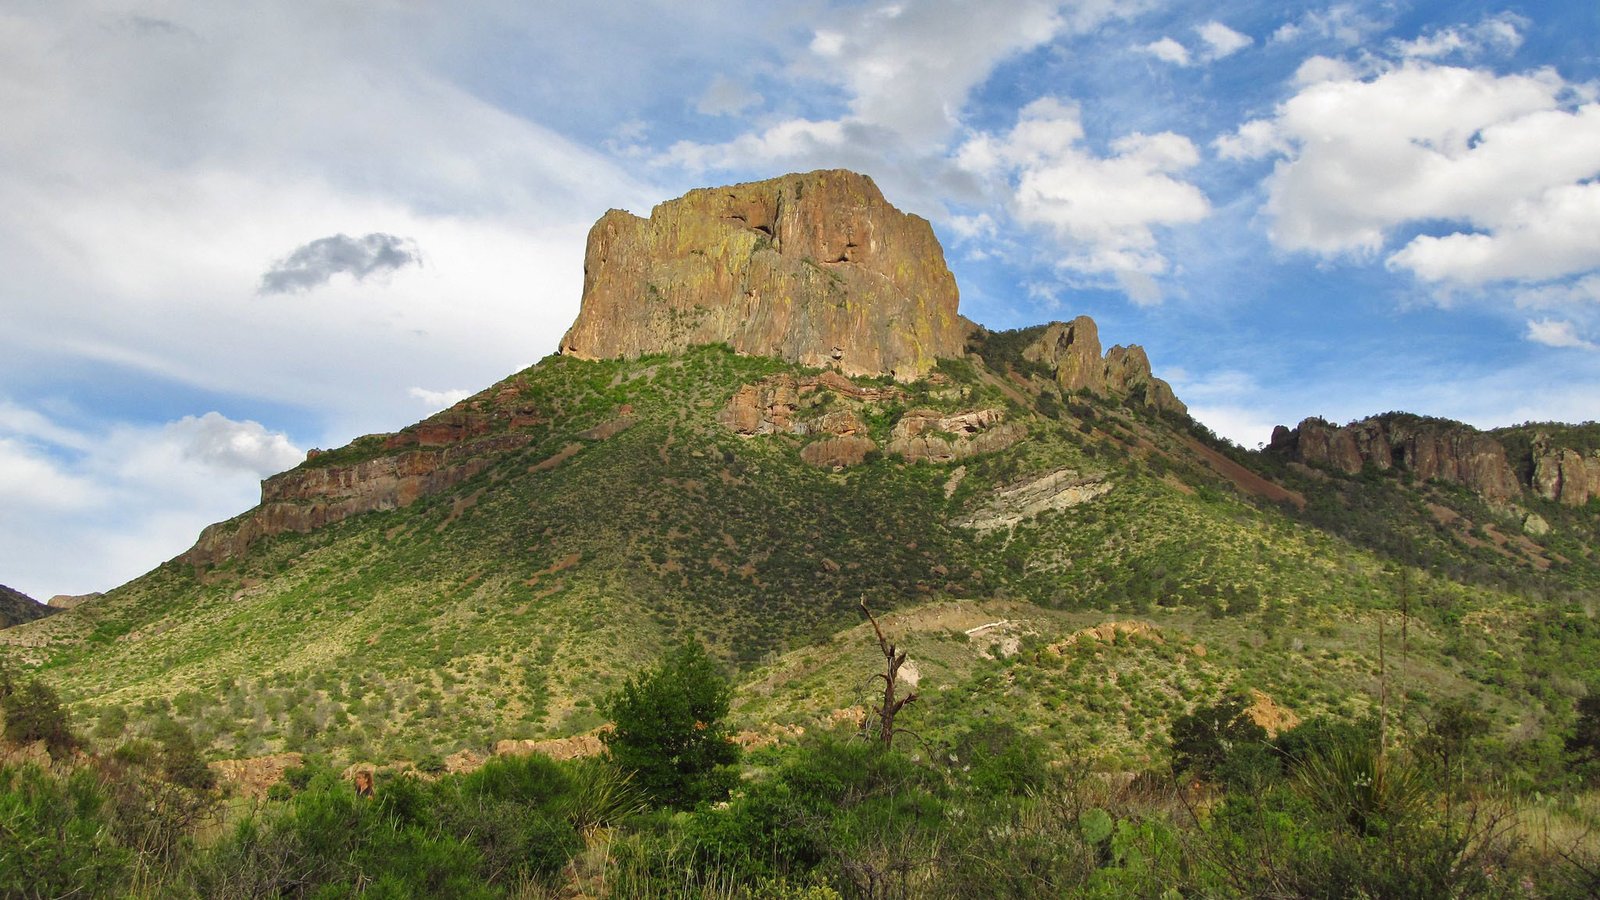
(1358, 784)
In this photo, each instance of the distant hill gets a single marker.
(17, 608)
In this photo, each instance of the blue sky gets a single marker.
(232, 232)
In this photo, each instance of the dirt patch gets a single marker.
(255, 776)
(1269, 715)
(1106, 633)
(459, 506)
(575, 747)
(556, 459)
(560, 565)
(1243, 478)
(608, 429)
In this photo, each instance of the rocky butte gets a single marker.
(818, 269)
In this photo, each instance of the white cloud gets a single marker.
(1246, 426)
(30, 482)
(1506, 160)
(1557, 333)
(89, 508)
(1500, 34)
(1102, 210)
(225, 445)
(1168, 50)
(1344, 23)
(726, 97)
(903, 72)
(1221, 40)
(148, 177)
(1252, 140)
(437, 400)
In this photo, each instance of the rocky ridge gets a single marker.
(817, 269)
(17, 608)
(431, 456)
(1071, 351)
(829, 406)
(1444, 450)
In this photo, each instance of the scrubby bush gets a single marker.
(1221, 743)
(33, 712)
(55, 837)
(669, 730)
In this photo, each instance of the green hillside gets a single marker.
(629, 518)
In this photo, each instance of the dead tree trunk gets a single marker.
(893, 660)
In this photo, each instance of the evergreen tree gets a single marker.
(669, 730)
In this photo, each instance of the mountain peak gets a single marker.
(815, 268)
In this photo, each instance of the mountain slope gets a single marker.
(492, 571)
(17, 608)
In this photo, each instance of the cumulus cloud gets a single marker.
(316, 263)
(437, 400)
(1102, 210)
(120, 495)
(726, 97)
(1168, 50)
(1507, 162)
(903, 72)
(1220, 40)
(223, 444)
(1557, 333)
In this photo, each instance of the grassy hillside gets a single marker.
(505, 606)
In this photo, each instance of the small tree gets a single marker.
(1221, 742)
(669, 731)
(34, 712)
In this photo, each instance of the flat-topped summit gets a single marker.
(815, 268)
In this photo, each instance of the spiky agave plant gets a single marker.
(1358, 784)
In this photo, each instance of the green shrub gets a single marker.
(33, 713)
(1220, 742)
(55, 836)
(669, 730)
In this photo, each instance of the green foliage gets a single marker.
(33, 712)
(669, 729)
(1221, 742)
(1368, 790)
(1000, 759)
(55, 836)
(1096, 825)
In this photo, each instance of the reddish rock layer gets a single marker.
(817, 269)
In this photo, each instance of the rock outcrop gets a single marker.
(1565, 475)
(817, 269)
(431, 456)
(925, 435)
(1071, 350)
(1010, 506)
(17, 608)
(72, 601)
(1426, 448)
(775, 404)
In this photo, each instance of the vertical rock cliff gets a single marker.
(817, 269)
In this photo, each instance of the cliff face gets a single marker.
(426, 458)
(1427, 448)
(1565, 475)
(817, 269)
(1072, 351)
